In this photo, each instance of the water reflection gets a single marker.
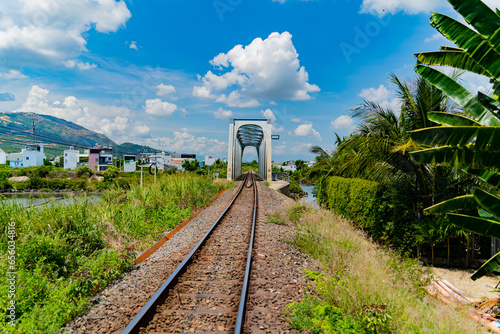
(310, 197)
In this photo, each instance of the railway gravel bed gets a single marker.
(277, 274)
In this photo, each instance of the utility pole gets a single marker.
(33, 127)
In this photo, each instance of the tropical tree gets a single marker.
(471, 141)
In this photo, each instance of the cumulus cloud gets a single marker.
(13, 74)
(140, 130)
(268, 113)
(382, 96)
(221, 113)
(266, 69)
(133, 45)
(304, 130)
(434, 37)
(74, 110)
(182, 141)
(48, 32)
(164, 90)
(72, 63)
(343, 122)
(159, 108)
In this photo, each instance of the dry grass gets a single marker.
(360, 274)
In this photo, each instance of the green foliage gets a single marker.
(380, 210)
(67, 253)
(84, 171)
(110, 173)
(190, 166)
(295, 188)
(317, 316)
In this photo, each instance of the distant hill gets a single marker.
(134, 148)
(55, 133)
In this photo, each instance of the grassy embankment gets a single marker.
(65, 254)
(364, 288)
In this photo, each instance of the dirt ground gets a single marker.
(460, 278)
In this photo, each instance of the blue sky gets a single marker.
(170, 73)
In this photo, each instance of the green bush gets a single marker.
(382, 211)
(110, 173)
(84, 171)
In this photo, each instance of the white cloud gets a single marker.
(344, 122)
(13, 74)
(221, 113)
(265, 69)
(72, 63)
(304, 130)
(73, 110)
(188, 143)
(140, 130)
(435, 37)
(382, 96)
(268, 113)
(164, 90)
(296, 120)
(301, 148)
(234, 100)
(159, 108)
(48, 32)
(133, 45)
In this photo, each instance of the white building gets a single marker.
(3, 157)
(209, 160)
(33, 155)
(289, 168)
(130, 165)
(71, 158)
(15, 159)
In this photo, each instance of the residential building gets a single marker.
(15, 159)
(3, 157)
(209, 160)
(100, 158)
(71, 158)
(289, 168)
(130, 163)
(32, 155)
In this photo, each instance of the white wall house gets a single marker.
(3, 157)
(33, 155)
(290, 168)
(209, 160)
(130, 165)
(15, 159)
(71, 158)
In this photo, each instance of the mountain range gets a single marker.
(55, 133)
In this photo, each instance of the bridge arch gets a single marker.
(244, 133)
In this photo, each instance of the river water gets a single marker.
(50, 199)
(310, 198)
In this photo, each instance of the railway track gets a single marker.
(208, 291)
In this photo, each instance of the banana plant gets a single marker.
(470, 141)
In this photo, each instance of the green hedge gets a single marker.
(384, 212)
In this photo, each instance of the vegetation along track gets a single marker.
(207, 293)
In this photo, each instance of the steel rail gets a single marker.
(240, 320)
(147, 312)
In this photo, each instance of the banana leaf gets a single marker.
(479, 15)
(486, 215)
(458, 94)
(489, 102)
(487, 176)
(488, 201)
(487, 267)
(445, 118)
(470, 41)
(453, 58)
(458, 203)
(486, 227)
(463, 157)
(485, 137)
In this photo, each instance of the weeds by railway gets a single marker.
(65, 254)
(364, 288)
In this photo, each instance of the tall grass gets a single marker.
(375, 286)
(66, 253)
